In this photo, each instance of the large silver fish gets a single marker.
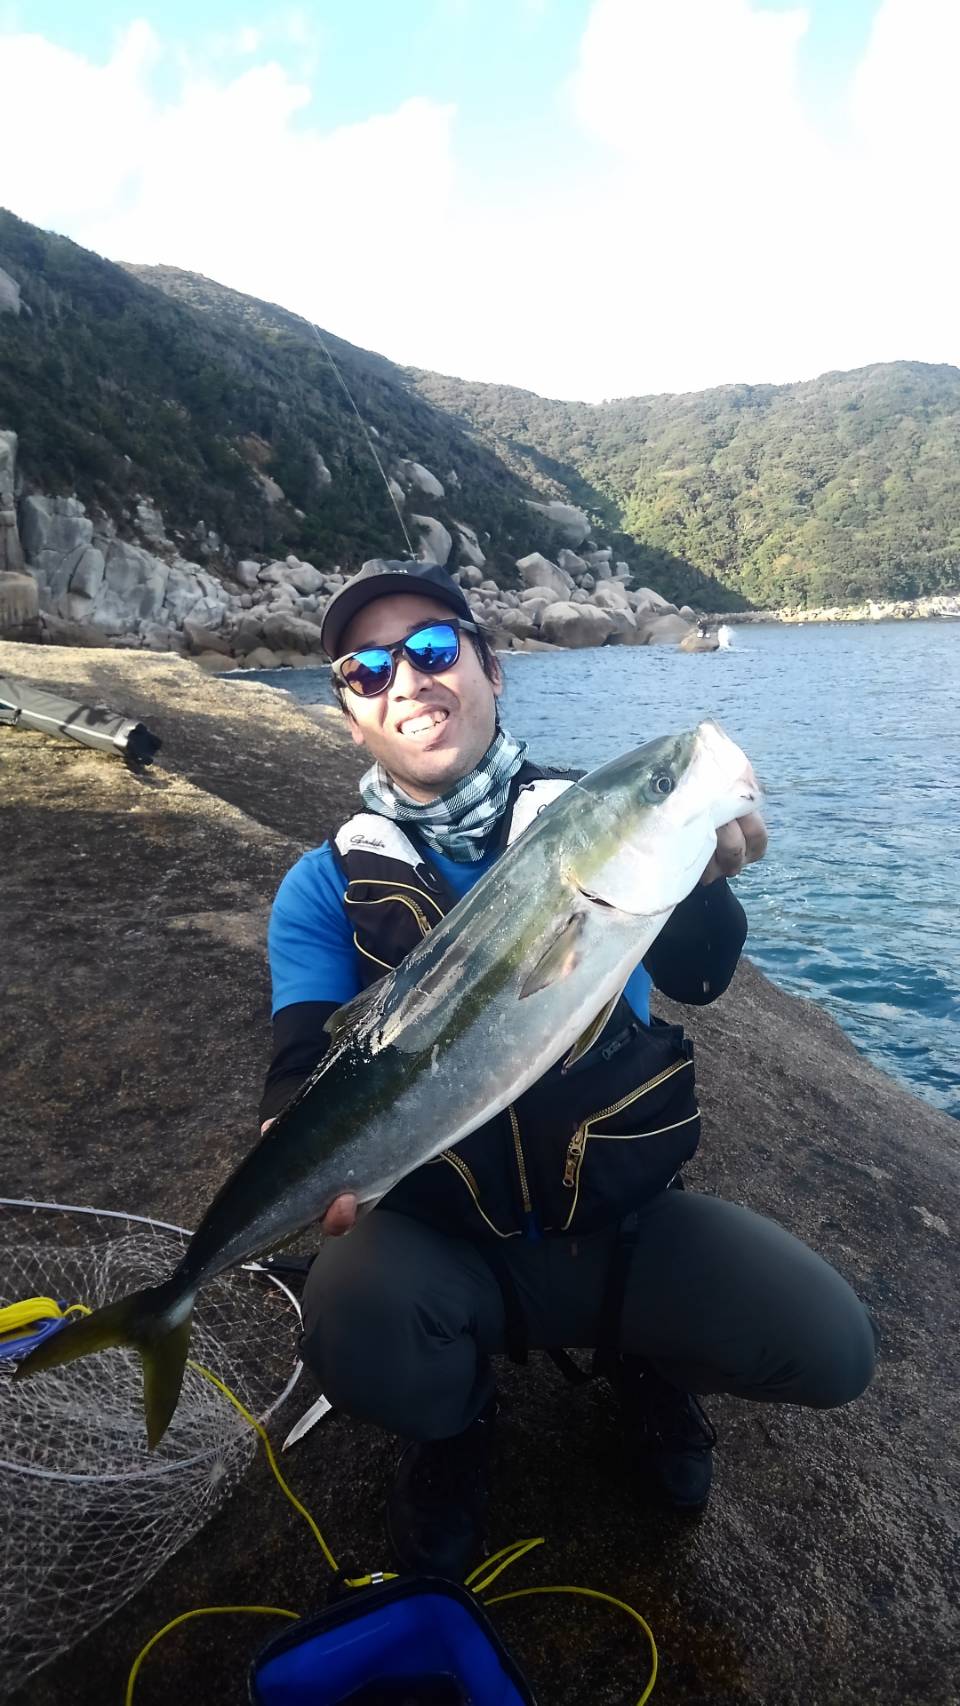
(522, 973)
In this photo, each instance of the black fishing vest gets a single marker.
(580, 1149)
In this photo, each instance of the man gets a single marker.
(533, 1230)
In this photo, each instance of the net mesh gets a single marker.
(87, 1513)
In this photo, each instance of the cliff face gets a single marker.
(134, 1039)
(11, 555)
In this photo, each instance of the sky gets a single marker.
(585, 198)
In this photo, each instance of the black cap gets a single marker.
(375, 580)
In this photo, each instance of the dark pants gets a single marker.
(400, 1321)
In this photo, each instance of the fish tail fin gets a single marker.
(156, 1323)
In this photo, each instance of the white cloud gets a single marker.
(248, 39)
(754, 245)
(80, 127)
(905, 90)
(273, 32)
(229, 179)
(710, 230)
(652, 75)
(297, 27)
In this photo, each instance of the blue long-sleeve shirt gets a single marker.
(314, 963)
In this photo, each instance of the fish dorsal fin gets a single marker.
(558, 959)
(592, 1033)
(347, 1016)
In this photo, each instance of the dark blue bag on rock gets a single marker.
(415, 1641)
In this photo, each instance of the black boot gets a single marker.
(436, 1508)
(670, 1437)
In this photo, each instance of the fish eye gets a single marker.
(662, 784)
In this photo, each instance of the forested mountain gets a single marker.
(130, 380)
(121, 381)
(842, 488)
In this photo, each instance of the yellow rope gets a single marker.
(488, 1570)
(351, 1582)
(210, 1610)
(268, 1448)
(14, 1317)
(608, 1598)
(185, 1617)
(509, 1554)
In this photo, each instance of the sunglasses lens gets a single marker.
(433, 649)
(367, 672)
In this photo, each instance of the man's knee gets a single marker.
(359, 1308)
(359, 1337)
(350, 1292)
(849, 1360)
(387, 1326)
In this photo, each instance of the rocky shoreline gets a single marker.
(943, 605)
(136, 1032)
(72, 578)
(69, 578)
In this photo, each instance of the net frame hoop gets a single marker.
(146, 1474)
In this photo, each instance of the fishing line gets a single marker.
(487, 1571)
(363, 427)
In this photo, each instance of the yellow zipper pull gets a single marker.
(574, 1155)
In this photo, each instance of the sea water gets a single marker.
(854, 731)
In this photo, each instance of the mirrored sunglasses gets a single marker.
(431, 649)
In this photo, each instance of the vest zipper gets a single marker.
(575, 1150)
(578, 1142)
(422, 920)
(463, 1171)
(388, 883)
(521, 1164)
(419, 915)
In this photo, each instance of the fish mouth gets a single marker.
(741, 792)
(748, 789)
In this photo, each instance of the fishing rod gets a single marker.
(315, 329)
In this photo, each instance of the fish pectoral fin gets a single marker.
(559, 958)
(593, 1031)
(354, 1009)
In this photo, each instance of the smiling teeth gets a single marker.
(417, 725)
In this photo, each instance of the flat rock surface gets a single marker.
(135, 1034)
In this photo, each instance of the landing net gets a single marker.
(87, 1513)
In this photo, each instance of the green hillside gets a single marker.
(146, 380)
(843, 488)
